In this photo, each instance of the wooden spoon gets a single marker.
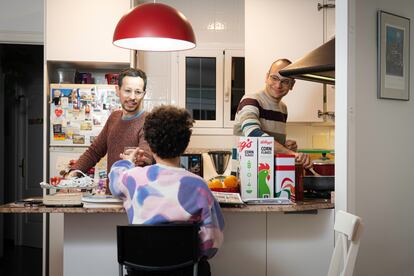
(314, 173)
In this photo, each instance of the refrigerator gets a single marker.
(78, 113)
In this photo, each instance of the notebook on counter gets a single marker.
(227, 198)
(101, 201)
(268, 201)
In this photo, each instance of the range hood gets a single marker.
(316, 66)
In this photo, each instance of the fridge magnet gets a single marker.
(78, 139)
(64, 102)
(92, 138)
(86, 94)
(96, 121)
(75, 99)
(57, 128)
(56, 96)
(58, 112)
(59, 136)
(69, 133)
(86, 126)
(393, 56)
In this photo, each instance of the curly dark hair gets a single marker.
(167, 130)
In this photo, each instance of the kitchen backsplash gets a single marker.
(307, 136)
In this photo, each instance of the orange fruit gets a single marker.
(215, 183)
(231, 181)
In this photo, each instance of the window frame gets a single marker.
(218, 55)
(228, 55)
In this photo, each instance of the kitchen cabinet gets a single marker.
(77, 30)
(285, 29)
(211, 84)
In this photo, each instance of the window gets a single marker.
(211, 84)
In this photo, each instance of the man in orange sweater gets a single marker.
(123, 127)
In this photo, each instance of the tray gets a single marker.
(84, 182)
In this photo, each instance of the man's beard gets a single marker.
(130, 109)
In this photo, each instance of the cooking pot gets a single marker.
(319, 183)
(323, 166)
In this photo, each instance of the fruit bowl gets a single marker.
(221, 183)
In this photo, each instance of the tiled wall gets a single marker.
(307, 136)
(312, 136)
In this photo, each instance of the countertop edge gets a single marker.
(299, 207)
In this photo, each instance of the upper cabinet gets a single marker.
(77, 30)
(211, 85)
(285, 29)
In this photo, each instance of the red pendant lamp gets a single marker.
(154, 27)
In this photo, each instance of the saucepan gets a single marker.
(319, 183)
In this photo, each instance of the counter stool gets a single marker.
(158, 249)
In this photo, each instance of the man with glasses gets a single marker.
(123, 129)
(264, 113)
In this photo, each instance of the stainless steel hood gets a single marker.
(316, 66)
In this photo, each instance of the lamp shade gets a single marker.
(154, 27)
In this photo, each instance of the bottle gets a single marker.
(235, 164)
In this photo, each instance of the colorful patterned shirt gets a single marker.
(162, 194)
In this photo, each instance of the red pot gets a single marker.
(324, 167)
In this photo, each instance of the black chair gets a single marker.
(160, 248)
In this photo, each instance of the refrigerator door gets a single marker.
(60, 157)
(78, 112)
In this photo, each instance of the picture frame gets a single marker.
(393, 56)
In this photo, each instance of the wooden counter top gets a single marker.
(307, 205)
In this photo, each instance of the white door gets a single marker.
(1, 157)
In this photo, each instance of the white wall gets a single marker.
(21, 21)
(381, 135)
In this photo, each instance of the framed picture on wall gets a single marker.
(393, 56)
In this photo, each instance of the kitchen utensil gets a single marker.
(112, 78)
(65, 75)
(220, 160)
(319, 183)
(313, 172)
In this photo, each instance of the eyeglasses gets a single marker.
(137, 93)
(277, 78)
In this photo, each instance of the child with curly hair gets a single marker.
(165, 192)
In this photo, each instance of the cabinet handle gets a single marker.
(325, 6)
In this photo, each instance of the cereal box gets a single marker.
(248, 166)
(265, 170)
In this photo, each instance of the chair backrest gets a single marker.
(160, 247)
(349, 229)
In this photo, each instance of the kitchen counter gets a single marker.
(260, 239)
(307, 205)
